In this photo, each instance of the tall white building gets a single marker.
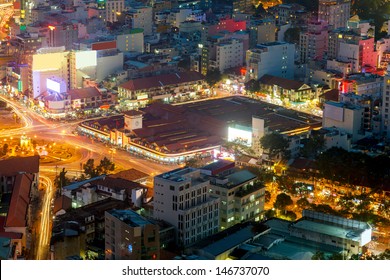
(181, 198)
(335, 12)
(228, 54)
(113, 9)
(141, 17)
(346, 117)
(133, 41)
(275, 58)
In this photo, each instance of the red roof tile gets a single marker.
(103, 45)
(13, 166)
(162, 80)
(130, 175)
(281, 82)
(20, 200)
(62, 203)
(87, 92)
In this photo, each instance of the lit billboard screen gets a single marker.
(53, 85)
(86, 59)
(240, 135)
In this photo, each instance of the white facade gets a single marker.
(176, 17)
(113, 8)
(142, 17)
(347, 118)
(276, 59)
(335, 12)
(132, 42)
(108, 64)
(228, 55)
(181, 198)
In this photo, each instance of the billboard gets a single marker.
(240, 135)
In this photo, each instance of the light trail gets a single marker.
(45, 228)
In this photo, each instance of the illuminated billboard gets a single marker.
(55, 85)
(243, 136)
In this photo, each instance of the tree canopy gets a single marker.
(282, 201)
(276, 144)
(103, 168)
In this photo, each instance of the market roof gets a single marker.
(162, 80)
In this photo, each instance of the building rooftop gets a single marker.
(337, 231)
(130, 217)
(240, 177)
(20, 200)
(81, 93)
(162, 80)
(281, 82)
(131, 174)
(17, 165)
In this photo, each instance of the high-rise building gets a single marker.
(276, 59)
(335, 12)
(129, 236)
(314, 42)
(262, 31)
(113, 9)
(182, 198)
(386, 105)
(141, 17)
(131, 41)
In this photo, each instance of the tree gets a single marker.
(213, 77)
(252, 86)
(276, 144)
(259, 10)
(290, 215)
(318, 256)
(267, 196)
(282, 201)
(5, 148)
(90, 169)
(303, 203)
(61, 179)
(105, 166)
(313, 146)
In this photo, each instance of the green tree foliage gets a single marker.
(61, 179)
(259, 10)
(318, 256)
(5, 148)
(213, 77)
(252, 86)
(290, 215)
(354, 168)
(105, 166)
(303, 203)
(267, 196)
(282, 201)
(276, 144)
(313, 146)
(89, 168)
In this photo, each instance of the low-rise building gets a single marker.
(286, 89)
(129, 236)
(139, 92)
